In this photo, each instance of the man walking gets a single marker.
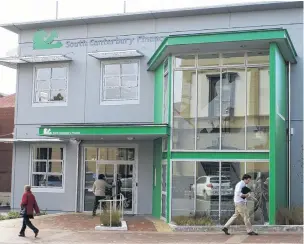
(241, 206)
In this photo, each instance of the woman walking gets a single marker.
(28, 205)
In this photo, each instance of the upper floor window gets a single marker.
(166, 93)
(50, 84)
(120, 82)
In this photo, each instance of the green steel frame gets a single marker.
(277, 155)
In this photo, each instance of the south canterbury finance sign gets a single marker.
(44, 40)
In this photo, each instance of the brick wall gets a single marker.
(6, 150)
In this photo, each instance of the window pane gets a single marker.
(183, 179)
(56, 153)
(258, 57)
(42, 96)
(259, 184)
(91, 153)
(129, 69)
(39, 180)
(208, 110)
(258, 108)
(232, 173)
(166, 100)
(41, 153)
(207, 191)
(43, 84)
(112, 81)
(112, 93)
(54, 181)
(55, 167)
(164, 177)
(185, 61)
(112, 69)
(58, 84)
(184, 106)
(129, 81)
(233, 58)
(39, 167)
(208, 60)
(59, 73)
(58, 95)
(233, 109)
(43, 74)
(129, 93)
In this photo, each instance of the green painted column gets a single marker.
(157, 161)
(278, 159)
(158, 95)
(170, 82)
(157, 144)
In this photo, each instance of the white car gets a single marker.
(207, 186)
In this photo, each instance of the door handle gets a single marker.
(136, 184)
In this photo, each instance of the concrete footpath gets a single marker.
(77, 228)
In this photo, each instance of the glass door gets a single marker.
(118, 164)
(125, 185)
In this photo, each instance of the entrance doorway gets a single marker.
(119, 166)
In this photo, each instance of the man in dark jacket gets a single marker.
(28, 203)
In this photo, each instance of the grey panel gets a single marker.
(121, 28)
(50, 201)
(296, 172)
(196, 23)
(70, 32)
(262, 18)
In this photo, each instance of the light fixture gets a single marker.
(130, 138)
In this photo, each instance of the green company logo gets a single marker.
(43, 40)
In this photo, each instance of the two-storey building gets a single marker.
(177, 105)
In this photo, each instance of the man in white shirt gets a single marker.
(240, 202)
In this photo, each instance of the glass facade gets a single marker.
(206, 188)
(221, 102)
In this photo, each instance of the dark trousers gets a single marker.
(96, 203)
(27, 222)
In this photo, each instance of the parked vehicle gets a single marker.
(208, 186)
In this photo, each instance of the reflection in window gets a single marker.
(120, 81)
(50, 84)
(212, 104)
(258, 107)
(212, 193)
(184, 107)
(233, 109)
(47, 167)
(208, 110)
(183, 180)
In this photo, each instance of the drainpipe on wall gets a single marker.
(77, 173)
(289, 135)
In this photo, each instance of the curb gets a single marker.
(239, 228)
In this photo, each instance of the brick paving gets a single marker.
(79, 228)
(84, 222)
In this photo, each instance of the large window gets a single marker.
(206, 189)
(47, 170)
(221, 101)
(120, 82)
(50, 84)
(166, 93)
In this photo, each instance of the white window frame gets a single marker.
(32, 160)
(49, 103)
(121, 101)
